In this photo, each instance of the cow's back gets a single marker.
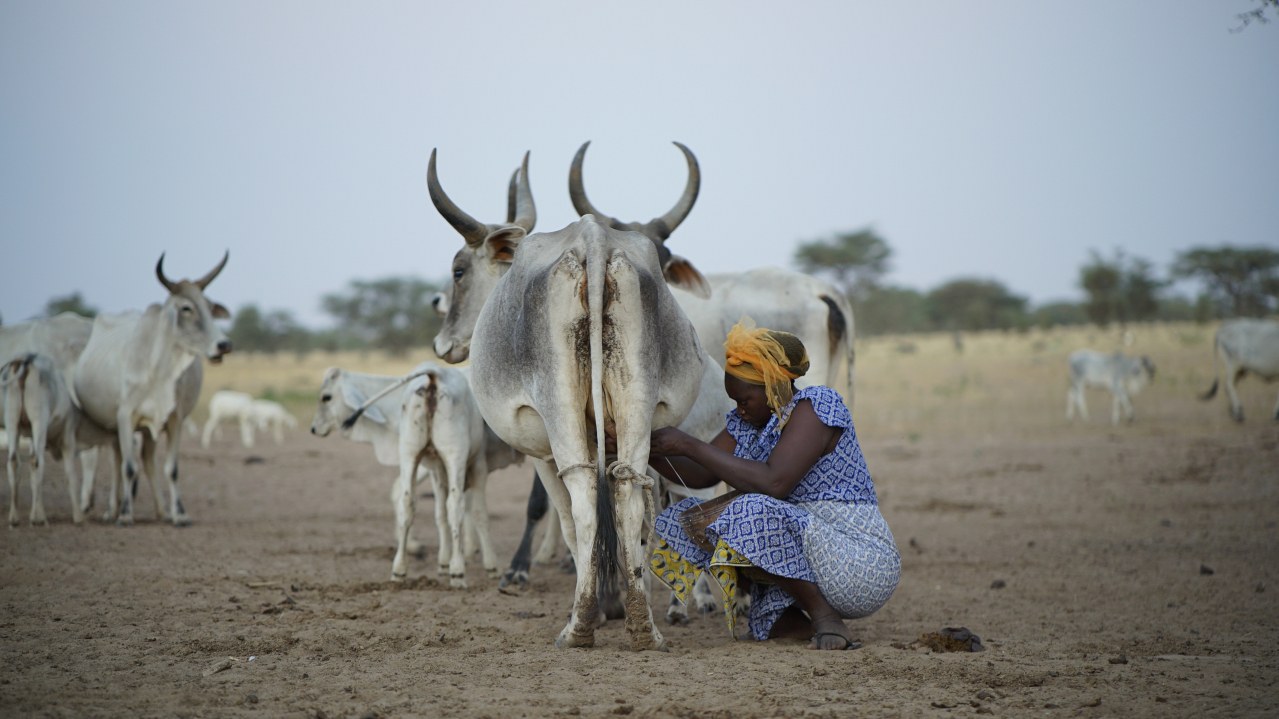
(1252, 344)
(532, 338)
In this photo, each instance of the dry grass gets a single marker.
(1014, 384)
(1001, 384)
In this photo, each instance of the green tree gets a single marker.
(69, 303)
(1120, 290)
(1241, 281)
(1055, 314)
(886, 309)
(255, 331)
(854, 260)
(393, 313)
(1257, 14)
(976, 304)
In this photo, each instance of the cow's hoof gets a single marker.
(517, 577)
(457, 581)
(399, 576)
(182, 521)
(677, 618)
(568, 640)
(491, 573)
(124, 522)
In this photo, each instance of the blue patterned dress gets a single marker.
(828, 531)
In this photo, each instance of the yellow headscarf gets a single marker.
(771, 358)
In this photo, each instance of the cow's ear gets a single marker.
(503, 243)
(219, 312)
(354, 398)
(682, 274)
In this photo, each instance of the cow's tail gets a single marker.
(1216, 369)
(839, 339)
(16, 371)
(349, 422)
(606, 537)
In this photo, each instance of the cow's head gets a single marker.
(677, 270)
(338, 398)
(482, 261)
(193, 313)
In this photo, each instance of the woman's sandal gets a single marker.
(848, 643)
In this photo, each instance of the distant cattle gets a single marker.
(572, 334)
(269, 415)
(1123, 376)
(1243, 346)
(224, 405)
(127, 378)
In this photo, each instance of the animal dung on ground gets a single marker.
(952, 639)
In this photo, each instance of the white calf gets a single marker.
(380, 423)
(38, 406)
(268, 415)
(229, 405)
(1123, 376)
(441, 431)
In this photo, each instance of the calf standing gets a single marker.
(269, 415)
(37, 405)
(228, 404)
(1123, 376)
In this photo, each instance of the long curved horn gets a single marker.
(204, 281)
(522, 210)
(159, 275)
(471, 230)
(680, 211)
(576, 192)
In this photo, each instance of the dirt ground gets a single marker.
(1128, 571)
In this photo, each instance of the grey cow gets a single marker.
(1243, 346)
(1123, 376)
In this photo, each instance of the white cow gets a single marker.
(1243, 346)
(573, 335)
(61, 339)
(127, 377)
(1123, 376)
(397, 441)
(38, 405)
(810, 308)
(227, 404)
(271, 415)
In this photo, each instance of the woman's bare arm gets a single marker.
(804, 440)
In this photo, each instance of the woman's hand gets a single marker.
(668, 442)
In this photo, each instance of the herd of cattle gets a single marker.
(594, 329)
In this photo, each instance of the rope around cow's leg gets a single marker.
(626, 473)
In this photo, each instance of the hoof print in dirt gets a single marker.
(952, 639)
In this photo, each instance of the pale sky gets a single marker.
(999, 139)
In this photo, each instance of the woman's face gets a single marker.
(752, 401)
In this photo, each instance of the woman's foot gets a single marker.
(831, 634)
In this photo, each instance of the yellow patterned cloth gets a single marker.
(680, 575)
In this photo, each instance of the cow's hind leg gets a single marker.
(632, 495)
(39, 437)
(574, 495)
(404, 500)
(1233, 376)
(536, 509)
(478, 515)
(11, 469)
